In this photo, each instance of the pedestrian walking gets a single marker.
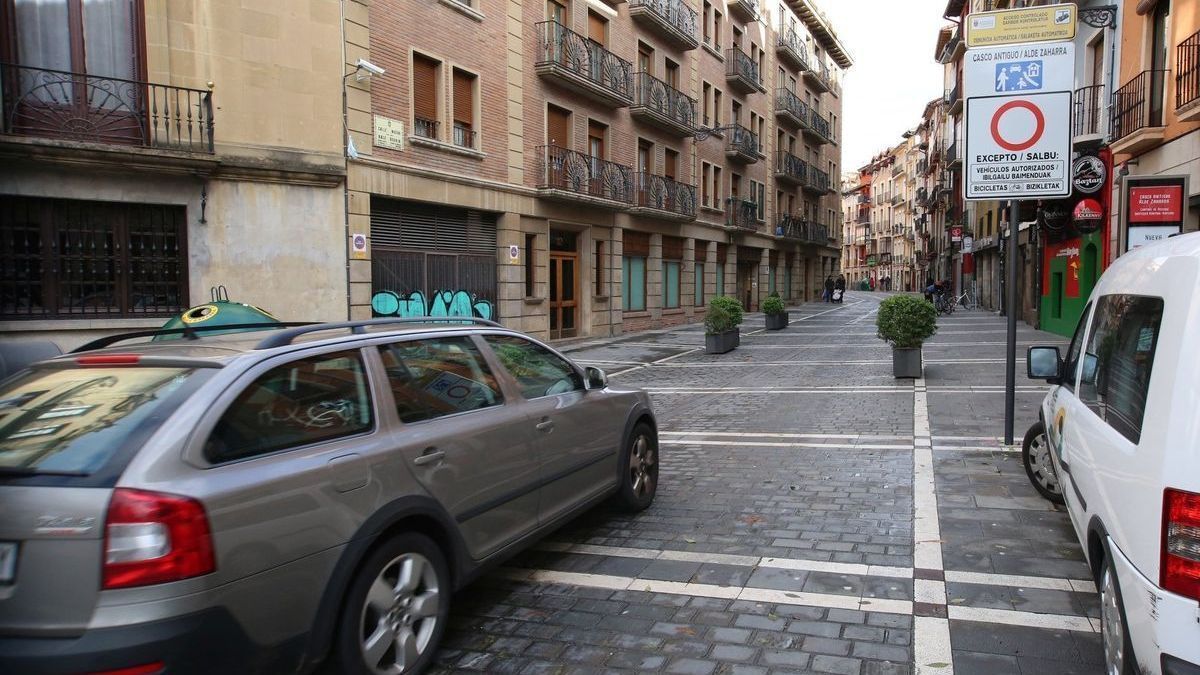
(929, 288)
(828, 295)
(872, 283)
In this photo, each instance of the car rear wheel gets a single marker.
(396, 609)
(639, 469)
(1035, 452)
(1118, 653)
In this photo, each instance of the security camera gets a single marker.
(371, 68)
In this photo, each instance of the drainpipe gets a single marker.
(346, 159)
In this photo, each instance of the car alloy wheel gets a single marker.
(1112, 624)
(1039, 467)
(643, 467)
(400, 614)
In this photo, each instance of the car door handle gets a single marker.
(544, 425)
(430, 456)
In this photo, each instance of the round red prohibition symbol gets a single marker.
(1037, 132)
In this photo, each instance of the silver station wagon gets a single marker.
(269, 501)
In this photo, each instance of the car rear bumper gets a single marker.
(1160, 623)
(205, 642)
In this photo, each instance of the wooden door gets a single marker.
(564, 295)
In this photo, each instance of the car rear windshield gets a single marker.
(77, 421)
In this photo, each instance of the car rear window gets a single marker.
(76, 421)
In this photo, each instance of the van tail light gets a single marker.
(153, 538)
(1179, 567)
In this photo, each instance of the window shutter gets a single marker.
(636, 244)
(464, 97)
(596, 27)
(558, 127)
(672, 248)
(424, 87)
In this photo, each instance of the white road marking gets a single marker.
(931, 653)
(773, 444)
(978, 448)
(1028, 619)
(931, 638)
(803, 363)
(652, 363)
(751, 434)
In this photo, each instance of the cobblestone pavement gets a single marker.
(814, 515)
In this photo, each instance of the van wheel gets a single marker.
(1035, 453)
(396, 609)
(1118, 652)
(639, 469)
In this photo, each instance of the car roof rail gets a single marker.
(286, 337)
(188, 332)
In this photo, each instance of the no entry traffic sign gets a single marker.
(1018, 117)
(1018, 147)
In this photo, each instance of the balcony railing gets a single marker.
(741, 213)
(789, 105)
(1089, 107)
(954, 98)
(82, 107)
(741, 143)
(664, 106)
(1187, 71)
(797, 227)
(425, 128)
(583, 64)
(952, 154)
(819, 77)
(665, 195)
(741, 71)
(789, 167)
(464, 137)
(1138, 104)
(574, 173)
(815, 180)
(791, 48)
(863, 219)
(671, 19)
(819, 126)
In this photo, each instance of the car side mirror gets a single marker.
(1044, 363)
(596, 379)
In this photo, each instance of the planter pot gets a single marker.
(777, 321)
(721, 342)
(906, 362)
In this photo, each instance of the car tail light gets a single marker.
(152, 538)
(1179, 567)
(144, 669)
(108, 360)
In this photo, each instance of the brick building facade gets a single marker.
(585, 168)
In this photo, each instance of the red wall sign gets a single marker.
(1155, 204)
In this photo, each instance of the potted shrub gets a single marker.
(721, 325)
(776, 311)
(906, 322)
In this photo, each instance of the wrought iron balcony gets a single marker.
(954, 98)
(863, 219)
(741, 213)
(566, 174)
(790, 48)
(664, 197)
(1187, 78)
(746, 10)
(464, 137)
(951, 155)
(818, 127)
(1137, 108)
(671, 20)
(798, 228)
(1089, 108)
(790, 168)
(658, 103)
(741, 72)
(82, 107)
(818, 77)
(581, 65)
(789, 108)
(425, 128)
(816, 181)
(741, 144)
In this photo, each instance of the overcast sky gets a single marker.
(894, 74)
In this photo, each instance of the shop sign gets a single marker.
(871, 261)
(1153, 208)
(968, 245)
(1088, 174)
(1088, 215)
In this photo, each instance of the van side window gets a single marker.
(1116, 364)
(1071, 367)
(437, 377)
(310, 400)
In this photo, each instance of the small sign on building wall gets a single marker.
(358, 246)
(514, 253)
(389, 133)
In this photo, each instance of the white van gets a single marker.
(1123, 426)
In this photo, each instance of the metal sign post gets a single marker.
(1010, 357)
